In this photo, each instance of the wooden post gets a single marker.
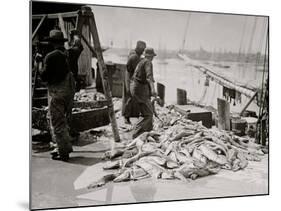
(223, 114)
(87, 13)
(38, 26)
(181, 97)
(161, 93)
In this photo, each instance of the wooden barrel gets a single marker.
(238, 126)
(161, 93)
(181, 97)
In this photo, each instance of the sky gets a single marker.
(165, 29)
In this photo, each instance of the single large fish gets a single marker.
(152, 168)
(102, 181)
(231, 155)
(173, 156)
(211, 155)
(135, 158)
(216, 147)
(113, 164)
(184, 133)
(197, 154)
(137, 173)
(182, 158)
(243, 161)
(171, 164)
(149, 147)
(153, 158)
(130, 153)
(125, 176)
(113, 153)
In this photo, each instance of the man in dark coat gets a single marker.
(133, 60)
(61, 88)
(142, 88)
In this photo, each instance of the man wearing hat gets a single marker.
(61, 89)
(133, 60)
(142, 88)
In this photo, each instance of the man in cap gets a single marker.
(133, 60)
(142, 88)
(61, 89)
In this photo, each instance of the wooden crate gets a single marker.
(95, 116)
(92, 118)
(195, 113)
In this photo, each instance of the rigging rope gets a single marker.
(263, 75)
(185, 31)
(242, 39)
(263, 36)
(262, 98)
(252, 37)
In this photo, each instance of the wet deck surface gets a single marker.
(59, 184)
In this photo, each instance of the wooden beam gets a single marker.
(62, 27)
(249, 102)
(87, 13)
(56, 15)
(38, 26)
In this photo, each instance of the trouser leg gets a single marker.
(51, 128)
(58, 123)
(145, 123)
(72, 131)
(127, 112)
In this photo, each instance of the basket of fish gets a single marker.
(89, 111)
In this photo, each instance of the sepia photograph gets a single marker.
(135, 105)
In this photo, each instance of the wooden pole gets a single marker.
(87, 12)
(223, 114)
(181, 97)
(161, 93)
(55, 15)
(247, 105)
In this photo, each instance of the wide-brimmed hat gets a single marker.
(149, 52)
(56, 35)
(141, 44)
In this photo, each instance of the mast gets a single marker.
(185, 32)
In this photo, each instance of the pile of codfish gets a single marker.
(178, 148)
(86, 96)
